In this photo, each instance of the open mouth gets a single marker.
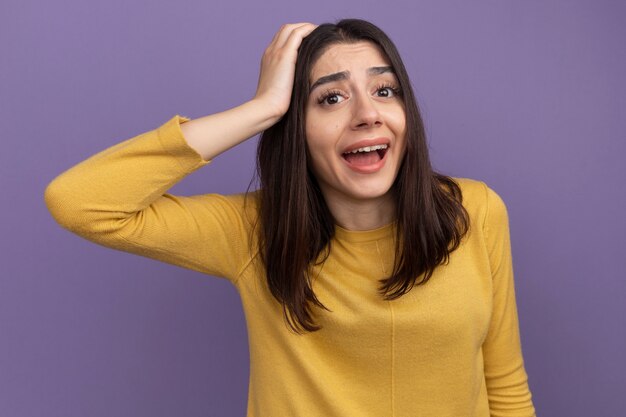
(367, 155)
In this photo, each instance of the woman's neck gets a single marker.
(352, 214)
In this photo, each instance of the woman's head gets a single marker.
(356, 69)
(355, 127)
(350, 86)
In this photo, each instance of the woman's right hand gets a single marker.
(278, 67)
(213, 134)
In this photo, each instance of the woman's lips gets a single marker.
(367, 156)
(366, 142)
(366, 162)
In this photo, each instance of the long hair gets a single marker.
(296, 225)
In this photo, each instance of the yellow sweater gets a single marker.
(448, 348)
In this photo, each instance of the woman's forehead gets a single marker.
(348, 56)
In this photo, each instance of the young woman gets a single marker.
(372, 286)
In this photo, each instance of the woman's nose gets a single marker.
(365, 112)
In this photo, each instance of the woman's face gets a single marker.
(355, 123)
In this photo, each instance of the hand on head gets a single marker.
(278, 66)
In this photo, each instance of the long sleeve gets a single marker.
(117, 198)
(507, 381)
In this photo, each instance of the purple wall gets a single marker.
(526, 96)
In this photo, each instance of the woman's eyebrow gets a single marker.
(344, 75)
(380, 70)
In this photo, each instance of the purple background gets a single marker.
(526, 96)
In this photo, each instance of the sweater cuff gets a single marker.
(171, 137)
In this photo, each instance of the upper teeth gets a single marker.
(369, 148)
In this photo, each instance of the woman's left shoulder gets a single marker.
(477, 196)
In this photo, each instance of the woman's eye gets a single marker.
(386, 92)
(333, 99)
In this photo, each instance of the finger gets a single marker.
(280, 30)
(297, 31)
(295, 37)
(286, 32)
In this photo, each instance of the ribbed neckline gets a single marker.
(356, 236)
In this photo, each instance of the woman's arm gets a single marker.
(505, 375)
(118, 197)
(213, 134)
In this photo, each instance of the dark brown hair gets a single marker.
(296, 224)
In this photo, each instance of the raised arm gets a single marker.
(118, 197)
